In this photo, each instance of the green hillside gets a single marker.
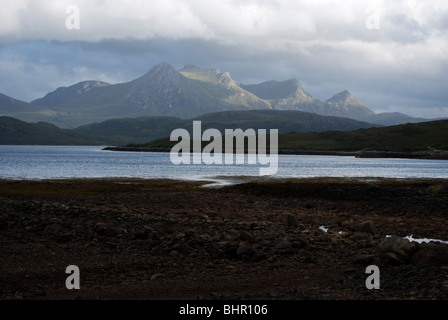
(140, 130)
(425, 136)
(13, 131)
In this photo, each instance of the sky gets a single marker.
(393, 55)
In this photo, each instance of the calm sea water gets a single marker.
(60, 162)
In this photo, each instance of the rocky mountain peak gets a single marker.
(346, 102)
(161, 71)
(85, 86)
(195, 69)
(211, 75)
(226, 81)
(345, 98)
(161, 77)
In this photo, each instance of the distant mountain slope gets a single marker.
(187, 93)
(283, 120)
(67, 95)
(124, 131)
(390, 118)
(24, 111)
(8, 104)
(141, 130)
(13, 131)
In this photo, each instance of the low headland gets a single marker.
(429, 155)
(425, 140)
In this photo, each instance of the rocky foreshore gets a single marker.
(282, 240)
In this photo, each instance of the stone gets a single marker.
(283, 244)
(156, 276)
(361, 236)
(366, 227)
(436, 190)
(290, 221)
(401, 248)
(300, 242)
(105, 228)
(247, 236)
(391, 258)
(244, 249)
(248, 254)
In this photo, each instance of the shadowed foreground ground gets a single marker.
(162, 239)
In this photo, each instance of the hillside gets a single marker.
(427, 137)
(140, 130)
(17, 132)
(28, 112)
(8, 104)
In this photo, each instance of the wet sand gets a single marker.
(294, 239)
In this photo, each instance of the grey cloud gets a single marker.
(400, 64)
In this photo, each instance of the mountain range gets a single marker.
(188, 93)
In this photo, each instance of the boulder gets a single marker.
(249, 254)
(396, 249)
(105, 229)
(300, 242)
(366, 227)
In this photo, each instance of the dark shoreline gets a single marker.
(424, 155)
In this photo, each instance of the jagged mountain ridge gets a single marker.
(162, 91)
(187, 93)
(290, 95)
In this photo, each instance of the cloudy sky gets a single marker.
(393, 55)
